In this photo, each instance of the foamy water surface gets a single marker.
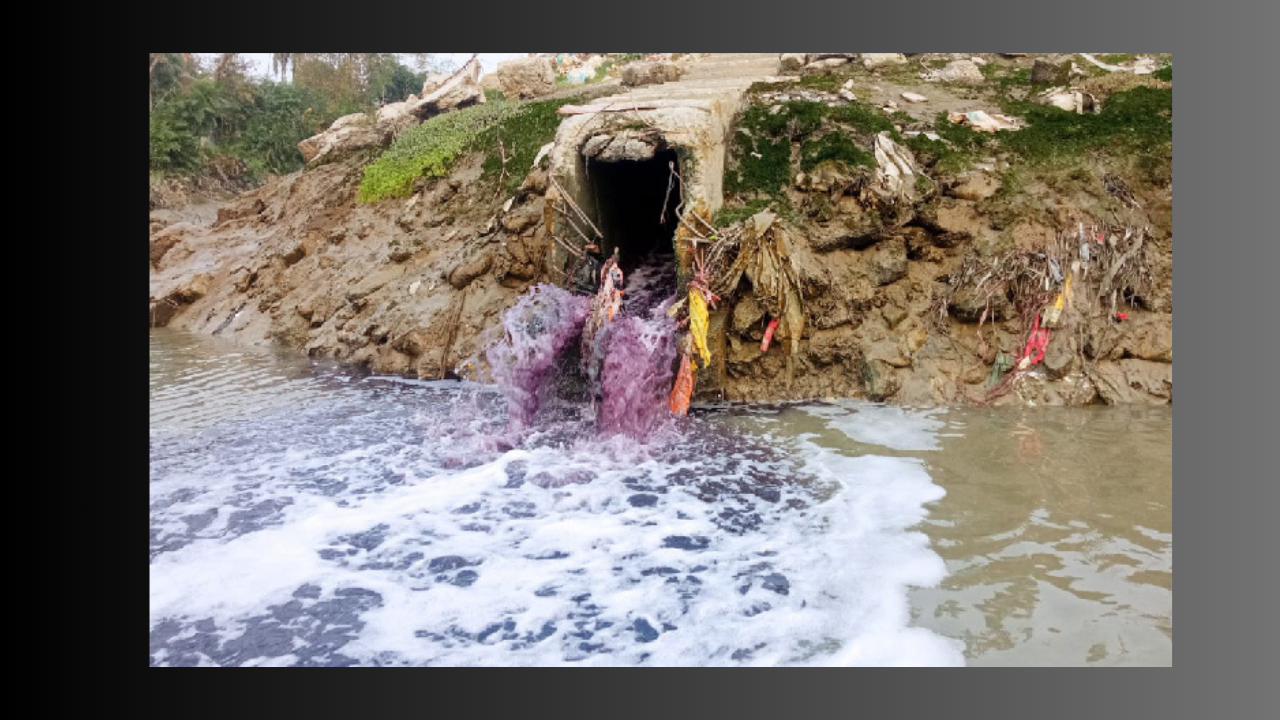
(357, 520)
(303, 514)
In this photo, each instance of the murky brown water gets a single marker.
(1057, 531)
(197, 381)
(1056, 528)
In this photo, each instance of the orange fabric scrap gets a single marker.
(682, 392)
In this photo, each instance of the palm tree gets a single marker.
(280, 63)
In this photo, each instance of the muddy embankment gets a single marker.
(922, 285)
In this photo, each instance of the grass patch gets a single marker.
(1140, 119)
(432, 148)
(834, 146)
(761, 149)
(727, 215)
(824, 83)
(429, 149)
(523, 130)
(1165, 73)
(763, 165)
(863, 118)
(938, 154)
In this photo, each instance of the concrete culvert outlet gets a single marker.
(636, 204)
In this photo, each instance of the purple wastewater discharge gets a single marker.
(629, 375)
(537, 328)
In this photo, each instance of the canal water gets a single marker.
(302, 513)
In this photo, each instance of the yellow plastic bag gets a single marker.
(1054, 312)
(698, 323)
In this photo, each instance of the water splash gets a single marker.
(637, 375)
(538, 327)
(626, 369)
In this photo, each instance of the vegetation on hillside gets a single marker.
(509, 133)
(211, 118)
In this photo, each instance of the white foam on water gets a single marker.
(727, 548)
(890, 426)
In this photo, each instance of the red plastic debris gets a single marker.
(1037, 341)
(1121, 316)
(768, 335)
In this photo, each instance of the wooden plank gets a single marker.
(587, 109)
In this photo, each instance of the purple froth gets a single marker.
(626, 366)
(537, 328)
(637, 375)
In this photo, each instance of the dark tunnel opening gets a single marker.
(636, 205)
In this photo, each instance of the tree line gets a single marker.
(209, 117)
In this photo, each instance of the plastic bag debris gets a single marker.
(698, 323)
(979, 120)
(1074, 101)
(928, 133)
(1144, 65)
(1055, 311)
(682, 391)
(1037, 341)
(768, 334)
(1055, 270)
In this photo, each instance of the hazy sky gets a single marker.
(260, 63)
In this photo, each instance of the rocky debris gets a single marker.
(397, 111)
(953, 221)
(970, 305)
(349, 132)
(462, 275)
(887, 262)
(611, 148)
(238, 211)
(887, 352)
(893, 315)
(792, 61)
(521, 218)
(650, 73)
(974, 185)
(459, 90)
(826, 64)
(957, 71)
(1133, 381)
(197, 287)
(372, 283)
(746, 313)
(525, 78)
(1145, 336)
(1044, 72)
(166, 239)
(359, 131)
(1061, 357)
(192, 289)
(896, 169)
(914, 97)
(879, 382)
(871, 61)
